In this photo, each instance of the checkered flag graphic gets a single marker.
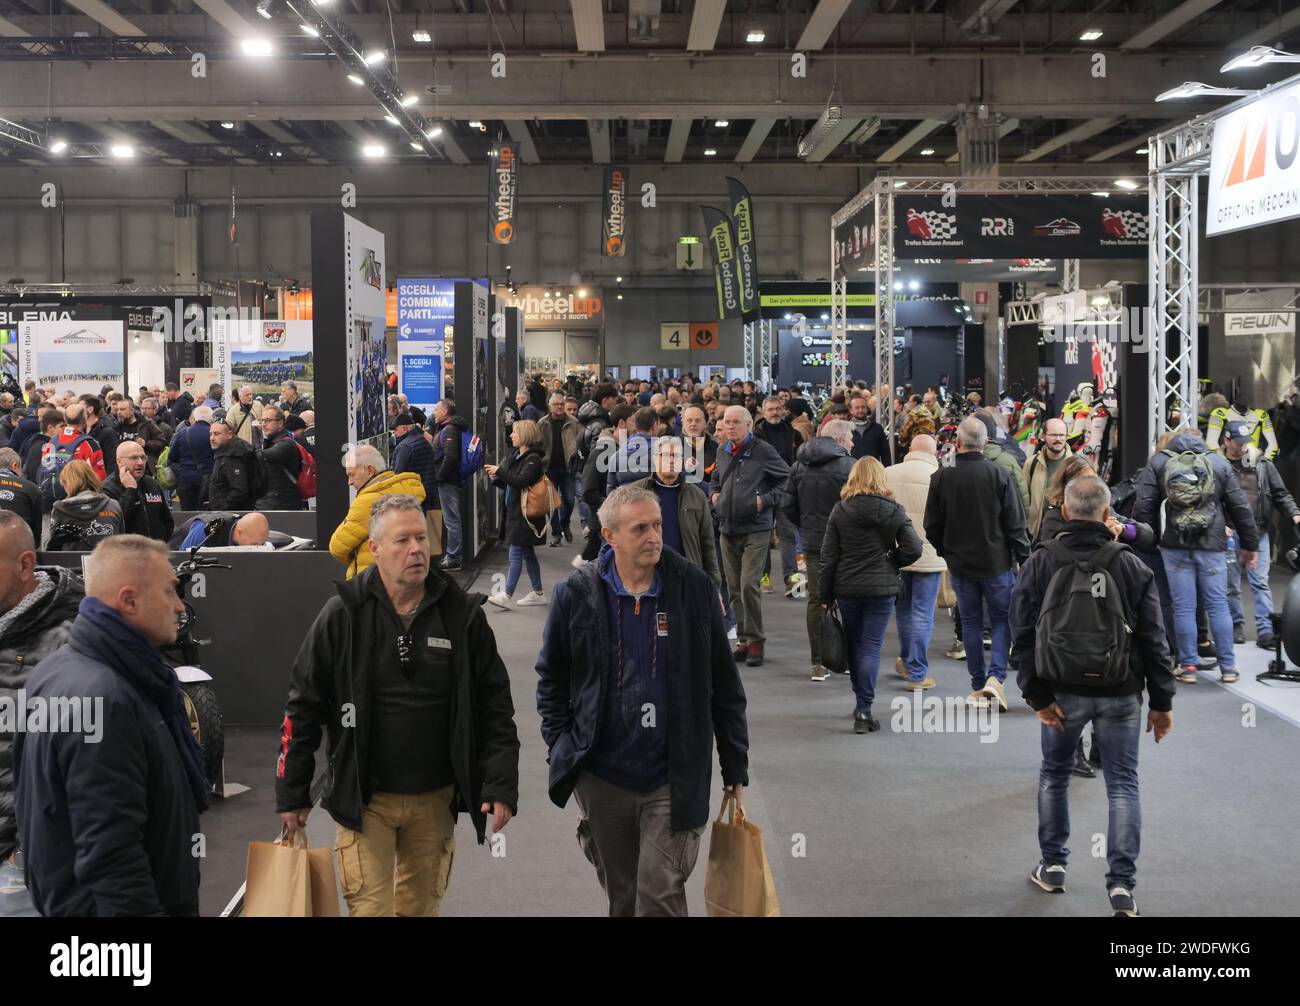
(1134, 221)
(943, 226)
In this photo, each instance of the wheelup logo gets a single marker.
(103, 960)
(1254, 175)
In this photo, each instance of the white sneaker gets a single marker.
(536, 597)
(577, 562)
(994, 690)
(819, 673)
(731, 634)
(501, 599)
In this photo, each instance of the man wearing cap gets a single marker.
(413, 453)
(1265, 492)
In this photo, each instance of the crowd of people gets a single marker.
(686, 495)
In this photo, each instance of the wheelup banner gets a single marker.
(742, 217)
(613, 216)
(503, 184)
(723, 243)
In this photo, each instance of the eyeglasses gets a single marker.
(405, 643)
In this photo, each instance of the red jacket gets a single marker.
(88, 450)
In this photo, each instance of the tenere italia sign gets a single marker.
(1254, 171)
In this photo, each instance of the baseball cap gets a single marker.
(1239, 432)
(404, 419)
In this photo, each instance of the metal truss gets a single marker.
(839, 331)
(884, 336)
(108, 290)
(764, 376)
(1211, 298)
(1172, 269)
(748, 329)
(1069, 275)
(1023, 312)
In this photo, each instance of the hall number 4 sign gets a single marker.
(704, 335)
(689, 335)
(674, 336)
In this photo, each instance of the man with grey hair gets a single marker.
(1069, 682)
(370, 476)
(290, 401)
(745, 489)
(243, 415)
(418, 662)
(821, 468)
(635, 747)
(974, 520)
(191, 455)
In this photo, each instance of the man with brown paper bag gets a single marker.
(636, 683)
(401, 671)
(286, 879)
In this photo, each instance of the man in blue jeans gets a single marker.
(448, 428)
(1065, 705)
(910, 481)
(976, 523)
(1265, 492)
(1201, 496)
(560, 432)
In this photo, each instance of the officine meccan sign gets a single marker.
(503, 185)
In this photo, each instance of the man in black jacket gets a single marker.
(869, 438)
(280, 458)
(51, 422)
(745, 490)
(600, 458)
(237, 474)
(637, 747)
(1193, 559)
(18, 494)
(1115, 710)
(143, 501)
(108, 813)
(402, 671)
(975, 521)
(820, 470)
(448, 428)
(413, 453)
(101, 430)
(291, 402)
(37, 606)
(775, 429)
(134, 427)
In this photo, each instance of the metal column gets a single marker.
(839, 332)
(764, 377)
(884, 335)
(749, 350)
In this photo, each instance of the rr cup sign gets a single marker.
(503, 182)
(614, 215)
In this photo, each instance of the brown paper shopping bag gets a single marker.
(286, 879)
(739, 879)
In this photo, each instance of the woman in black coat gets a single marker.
(868, 540)
(520, 470)
(1133, 533)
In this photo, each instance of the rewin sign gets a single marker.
(1254, 172)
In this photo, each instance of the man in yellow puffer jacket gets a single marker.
(370, 477)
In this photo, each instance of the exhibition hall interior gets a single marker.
(561, 458)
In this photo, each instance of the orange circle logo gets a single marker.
(614, 245)
(504, 231)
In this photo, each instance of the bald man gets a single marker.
(108, 809)
(145, 509)
(222, 530)
(49, 596)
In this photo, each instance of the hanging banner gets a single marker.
(76, 356)
(1254, 172)
(852, 244)
(742, 216)
(366, 310)
(1003, 226)
(426, 321)
(503, 183)
(725, 276)
(613, 217)
(263, 353)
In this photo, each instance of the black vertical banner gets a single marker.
(723, 244)
(503, 183)
(742, 217)
(613, 217)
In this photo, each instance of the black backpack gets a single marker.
(1083, 631)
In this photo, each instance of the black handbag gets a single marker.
(834, 642)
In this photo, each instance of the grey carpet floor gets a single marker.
(892, 823)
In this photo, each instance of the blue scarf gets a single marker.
(103, 634)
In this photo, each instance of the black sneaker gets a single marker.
(865, 723)
(1082, 767)
(450, 567)
(555, 541)
(988, 641)
(1238, 634)
(1266, 642)
(568, 535)
(1205, 648)
(1122, 902)
(1208, 663)
(1049, 878)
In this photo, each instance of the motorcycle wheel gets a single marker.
(205, 720)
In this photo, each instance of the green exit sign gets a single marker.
(688, 240)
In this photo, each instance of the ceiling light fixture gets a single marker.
(1258, 55)
(710, 152)
(373, 150)
(375, 56)
(309, 30)
(264, 9)
(1142, 150)
(58, 146)
(256, 47)
(722, 123)
(826, 122)
(410, 100)
(416, 146)
(755, 35)
(1091, 35)
(927, 152)
(122, 150)
(1102, 195)
(1126, 183)
(433, 131)
(1195, 89)
(391, 119)
(355, 78)
(227, 125)
(475, 124)
(420, 35)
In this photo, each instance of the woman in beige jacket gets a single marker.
(910, 482)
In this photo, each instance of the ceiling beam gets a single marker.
(588, 25)
(1271, 33)
(821, 23)
(598, 130)
(10, 30)
(706, 19)
(1083, 131)
(447, 143)
(186, 132)
(1125, 147)
(758, 131)
(913, 136)
(226, 16)
(1008, 127)
(1175, 19)
(678, 133)
(991, 9)
(99, 11)
(281, 135)
(838, 134)
(519, 132)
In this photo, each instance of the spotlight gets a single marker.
(1195, 89)
(914, 285)
(433, 131)
(755, 35)
(898, 284)
(375, 56)
(410, 100)
(1103, 195)
(373, 150)
(620, 296)
(1258, 55)
(257, 48)
(227, 125)
(900, 184)
(122, 150)
(1125, 183)
(355, 79)
(277, 153)
(1141, 150)
(710, 152)
(618, 279)
(475, 124)
(264, 9)
(1091, 35)
(420, 35)
(416, 146)
(391, 118)
(928, 152)
(309, 30)
(58, 146)
(582, 291)
(321, 3)
(722, 123)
